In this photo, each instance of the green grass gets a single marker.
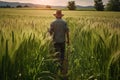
(26, 49)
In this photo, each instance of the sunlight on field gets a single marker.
(39, 12)
(25, 45)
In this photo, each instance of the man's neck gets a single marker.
(59, 18)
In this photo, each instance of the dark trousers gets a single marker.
(60, 47)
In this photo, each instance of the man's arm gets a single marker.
(67, 35)
(51, 33)
(51, 30)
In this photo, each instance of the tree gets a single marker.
(26, 6)
(71, 5)
(18, 6)
(113, 5)
(99, 5)
(48, 6)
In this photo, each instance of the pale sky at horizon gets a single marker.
(57, 2)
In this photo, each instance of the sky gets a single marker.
(57, 2)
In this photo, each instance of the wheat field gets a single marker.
(26, 48)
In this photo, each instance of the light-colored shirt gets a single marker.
(58, 28)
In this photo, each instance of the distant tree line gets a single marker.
(18, 6)
(7, 6)
(112, 5)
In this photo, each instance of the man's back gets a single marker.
(59, 28)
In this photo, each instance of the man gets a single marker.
(60, 34)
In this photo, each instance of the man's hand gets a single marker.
(68, 43)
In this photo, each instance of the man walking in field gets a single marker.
(60, 34)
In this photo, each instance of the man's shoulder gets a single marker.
(58, 20)
(52, 22)
(64, 21)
